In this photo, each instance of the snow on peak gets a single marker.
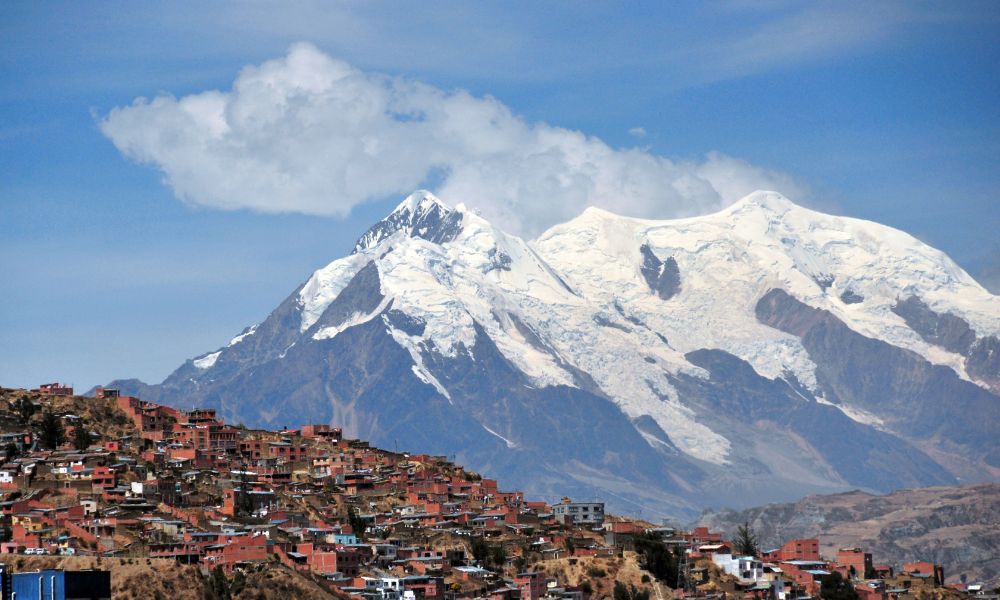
(246, 333)
(207, 361)
(419, 201)
(421, 214)
(764, 200)
(853, 268)
(576, 300)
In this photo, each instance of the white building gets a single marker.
(580, 512)
(383, 588)
(744, 568)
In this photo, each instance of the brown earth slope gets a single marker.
(957, 527)
(162, 579)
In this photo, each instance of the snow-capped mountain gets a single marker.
(752, 355)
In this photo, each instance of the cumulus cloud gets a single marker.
(312, 134)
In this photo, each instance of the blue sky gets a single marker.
(889, 112)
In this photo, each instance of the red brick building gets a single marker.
(805, 573)
(856, 562)
(331, 559)
(260, 449)
(806, 549)
(322, 432)
(54, 389)
(237, 550)
(531, 585)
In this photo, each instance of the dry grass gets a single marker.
(601, 572)
(163, 579)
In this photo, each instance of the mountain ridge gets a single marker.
(437, 312)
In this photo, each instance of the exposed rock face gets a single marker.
(948, 331)
(849, 297)
(663, 276)
(957, 527)
(983, 360)
(421, 216)
(912, 397)
(837, 443)
(982, 355)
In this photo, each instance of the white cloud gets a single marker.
(638, 132)
(792, 34)
(308, 133)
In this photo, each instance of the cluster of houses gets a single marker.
(797, 569)
(366, 522)
(361, 521)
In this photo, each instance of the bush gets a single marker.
(623, 592)
(597, 572)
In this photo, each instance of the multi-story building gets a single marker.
(580, 512)
(804, 549)
(856, 562)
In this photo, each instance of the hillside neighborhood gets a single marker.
(116, 478)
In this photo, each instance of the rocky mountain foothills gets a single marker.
(952, 526)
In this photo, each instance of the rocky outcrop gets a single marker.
(914, 398)
(982, 355)
(983, 361)
(663, 276)
(946, 330)
(860, 454)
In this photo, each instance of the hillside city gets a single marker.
(117, 481)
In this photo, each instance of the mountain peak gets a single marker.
(421, 214)
(420, 201)
(763, 200)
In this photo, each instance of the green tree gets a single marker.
(520, 563)
(10, 451)
(218, 586)
(237, 584)
(480, 549)
(51, 431)
(656, 557)
(498, 555)
(623, 592)
(25, 409)
(745, 543)
(835, 587)
(357, 522)
(82, 438)
(243, 501)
